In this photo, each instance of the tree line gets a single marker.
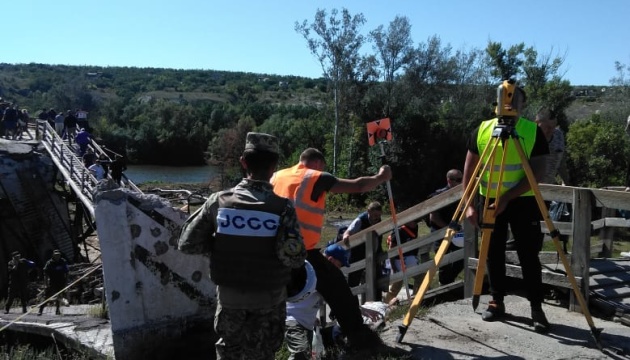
(435, 96)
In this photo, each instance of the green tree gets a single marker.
(226, 149)
(505, 63)
(598, 151)
(539, 74)
(336, 44)
(394, 50)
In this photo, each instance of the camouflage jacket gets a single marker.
(232, 250)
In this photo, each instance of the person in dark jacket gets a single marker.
(83, 140)
(18, 281)
(117, 167)
(70, 122)
(371, 216)
(56, 271)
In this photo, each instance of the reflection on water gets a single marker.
(170, 174)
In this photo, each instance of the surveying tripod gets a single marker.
(503, 134)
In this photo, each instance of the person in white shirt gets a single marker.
(304, 302)
(97, 170)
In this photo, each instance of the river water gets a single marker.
(170, 174)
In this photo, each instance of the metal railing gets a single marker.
(71, 166)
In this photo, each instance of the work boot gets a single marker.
(541, 325)
(495, 311)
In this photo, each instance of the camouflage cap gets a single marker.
(261, 141)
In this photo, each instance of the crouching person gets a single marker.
(304, 302)
(253, 240)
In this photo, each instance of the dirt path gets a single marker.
(453, 331)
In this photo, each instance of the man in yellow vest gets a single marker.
(307, 185)
(516, 207)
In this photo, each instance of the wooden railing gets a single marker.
(581, 228)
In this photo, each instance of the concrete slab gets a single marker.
(75, 328)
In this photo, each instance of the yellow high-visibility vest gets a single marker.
(513, 170)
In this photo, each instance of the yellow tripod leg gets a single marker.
(486, 233)
(487, 223)
(464, 202)
(413, 308)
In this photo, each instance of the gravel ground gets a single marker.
(453, 330)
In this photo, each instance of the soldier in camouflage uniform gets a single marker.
(18, 280)
(253, 240)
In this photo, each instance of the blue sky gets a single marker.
(259, 36)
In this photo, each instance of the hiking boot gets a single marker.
(495, 311)
(541, 325)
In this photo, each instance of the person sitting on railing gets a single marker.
(83, 140)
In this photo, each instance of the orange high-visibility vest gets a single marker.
(296, 183)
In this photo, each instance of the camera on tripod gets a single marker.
(510, 100)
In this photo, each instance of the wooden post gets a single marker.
(371, 266)
(581, 249)
(607, 233)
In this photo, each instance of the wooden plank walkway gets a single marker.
(609, 283)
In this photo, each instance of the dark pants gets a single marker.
(356, 254)
(523, 216)
(332, 285)
(51, 290)
(17, 291)
(82, 149)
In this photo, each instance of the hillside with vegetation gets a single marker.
(435, 96)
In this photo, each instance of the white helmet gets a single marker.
(309, 286)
